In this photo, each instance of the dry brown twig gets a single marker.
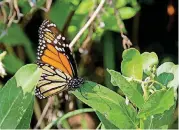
(49, 103)
(126, 41)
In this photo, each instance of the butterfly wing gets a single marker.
(52, 81)
(55, 58)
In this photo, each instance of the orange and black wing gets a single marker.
(55, 59)
(53, 49)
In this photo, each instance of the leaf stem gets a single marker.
(69, 114)
(141, 124)
(87, 24)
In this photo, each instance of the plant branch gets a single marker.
(50, 100)
(87, 24)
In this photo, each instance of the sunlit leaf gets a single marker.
(170, 67)
(129, 89)
(127, 12)
(17, 96)
(149, 60)
(131, 65)
(85, 7)
(120, 3)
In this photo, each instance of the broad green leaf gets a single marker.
(149, 61)
(17, 96)
(131, 65)
(160, 121)
(26, 119)
(15, 36)
(127, 12)
(170, 67)
(108, 103)
(109, 56)
(107, 124)
(85, 7)
(12, 63)
(32, 72)
(164, 78)
(157, 103)
(129, 89)
(59, 12)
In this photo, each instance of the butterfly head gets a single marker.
(75, 82)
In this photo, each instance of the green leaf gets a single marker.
(170, 67)
(17, 96)
(106, 123)
(129, 89)
(160, 121)
(16, 36)
(120, 3)
(127, 12)
(164, 79)
(131, 65)
(85, 7)
(149, 61)
(12, 63)
(109, 104)
(157, 103)
(59, 12)
(26, 119)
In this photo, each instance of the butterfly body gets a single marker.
(59, 72)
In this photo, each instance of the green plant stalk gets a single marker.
(141, 123)
(144, 88)
(69, 114)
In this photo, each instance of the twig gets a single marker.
(87, 24)
(37, 112)
(44, 112)
(125, 42)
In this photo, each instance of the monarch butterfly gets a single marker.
(58, 66)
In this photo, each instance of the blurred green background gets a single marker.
(151, 25)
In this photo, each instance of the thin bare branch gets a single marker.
(50, 100)
(87, 24)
